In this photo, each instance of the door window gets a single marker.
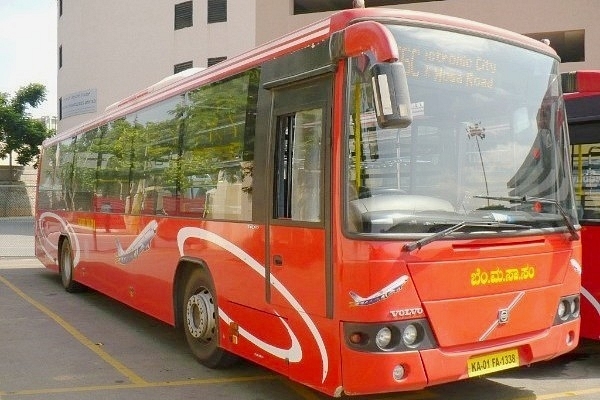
(299, 166)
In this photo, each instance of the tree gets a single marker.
(19, 132)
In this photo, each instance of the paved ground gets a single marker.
(55, 345)
(16, 237)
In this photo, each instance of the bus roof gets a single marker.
(298, 39)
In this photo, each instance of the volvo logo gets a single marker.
(502, 316)
(406, 312)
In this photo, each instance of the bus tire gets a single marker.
(65, 264)
(200, 321)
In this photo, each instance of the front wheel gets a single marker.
(66, 266)
(200, 321)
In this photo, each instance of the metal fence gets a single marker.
(17, 204)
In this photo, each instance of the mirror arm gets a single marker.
(361, 37)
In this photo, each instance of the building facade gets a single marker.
(110, 49)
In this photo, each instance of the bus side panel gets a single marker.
(47, 234)
(228, 249)
(590, 277)
(284, 334)
(321, 359)
(261, 337)
(127, 260)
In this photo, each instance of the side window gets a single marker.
(158, 170)
(217, 159)
(115, 150)
(64, 177)
(84, 172)
(136, 158)
(299, 166)
(49, 190)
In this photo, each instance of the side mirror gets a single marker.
(392, 100)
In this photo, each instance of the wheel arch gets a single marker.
(184, 269)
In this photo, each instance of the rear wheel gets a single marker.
(200, 321)
(65, 264)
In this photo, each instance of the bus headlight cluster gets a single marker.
(568, 309)
(394, 336)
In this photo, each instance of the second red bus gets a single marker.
(582, 102)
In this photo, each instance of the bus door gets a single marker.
(298, 253)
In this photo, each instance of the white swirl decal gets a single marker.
(575, 265)
(67, 228)
(294, 353)
(591, 299)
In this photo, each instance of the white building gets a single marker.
(110, 49)
(49, 121)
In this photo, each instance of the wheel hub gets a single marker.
(200, 315)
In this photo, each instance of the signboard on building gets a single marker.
(82, 102)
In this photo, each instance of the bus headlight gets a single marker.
(410, 335)
(575, 307)
(562, 310)
(383, 338)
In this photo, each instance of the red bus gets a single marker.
(380, 201)
(582, 102)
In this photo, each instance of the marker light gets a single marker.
(356, 338)
(383, 338)
(399, 372)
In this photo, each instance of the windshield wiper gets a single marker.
(470, 224)
(532, 199)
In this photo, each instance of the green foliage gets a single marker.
(18, 131)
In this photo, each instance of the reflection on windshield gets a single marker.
(487, 122)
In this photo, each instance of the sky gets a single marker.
(28, 49)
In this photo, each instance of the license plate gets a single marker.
(493, 362)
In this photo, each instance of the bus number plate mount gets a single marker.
(493, 362)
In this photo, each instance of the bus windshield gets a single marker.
(488, 129)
